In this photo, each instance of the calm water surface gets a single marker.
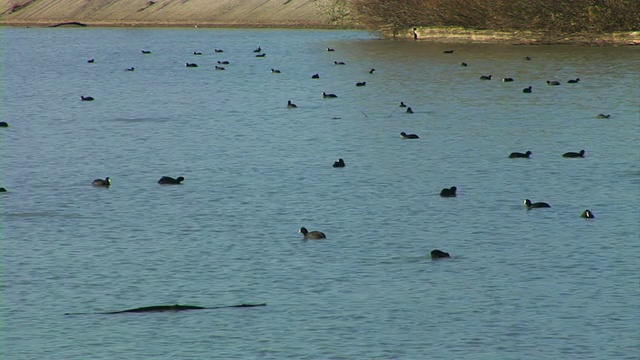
(539, 284)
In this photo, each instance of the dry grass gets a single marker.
(554, 17)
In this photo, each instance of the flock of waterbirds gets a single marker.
(340, 163)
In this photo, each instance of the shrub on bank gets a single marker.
(551, 16)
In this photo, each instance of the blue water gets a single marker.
(538, 284)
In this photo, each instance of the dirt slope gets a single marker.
(297, 13)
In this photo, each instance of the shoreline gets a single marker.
(182, 24)
(471, 36)
(438, 35)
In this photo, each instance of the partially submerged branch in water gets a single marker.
(164, 308)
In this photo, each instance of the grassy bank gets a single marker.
(546, 21)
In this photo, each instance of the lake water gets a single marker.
(538, 284)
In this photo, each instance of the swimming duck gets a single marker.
(197, 53)
(315, 76)
(571, 154)
(86, 98)
(100, 182)
(275, 71)
(130, 69)
(409, 136)
(603, 116)
(259, 49)
(527, 90)
(324, 94)
(218, 50)
(339, 164)
(485, 77)
(219, 67)
(361, 83)
(402, 104)
(331, 49)
(464, 64)
(371, 71)
(261, 55)
(527, 58)
(507, 79)
(91, 61)
(146, 52)
(409, 110)
(3, 189)
(450, 192)
(553, 82)
(573, 81)
(587, 214)
(4, 124)
(531, 205)
(448, 51)
(339, 63)
(312, 235)
(223, 62)
(515, 155)
(439, 254)
(167, 180)
(291, 105)
(191, 65)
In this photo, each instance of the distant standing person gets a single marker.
(415, 33)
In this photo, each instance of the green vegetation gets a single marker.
(552, 17)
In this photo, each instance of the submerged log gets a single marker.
(164, 308)
(74, 23)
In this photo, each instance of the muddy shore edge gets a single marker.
(439, 35)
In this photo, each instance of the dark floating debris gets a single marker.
(165, 308)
